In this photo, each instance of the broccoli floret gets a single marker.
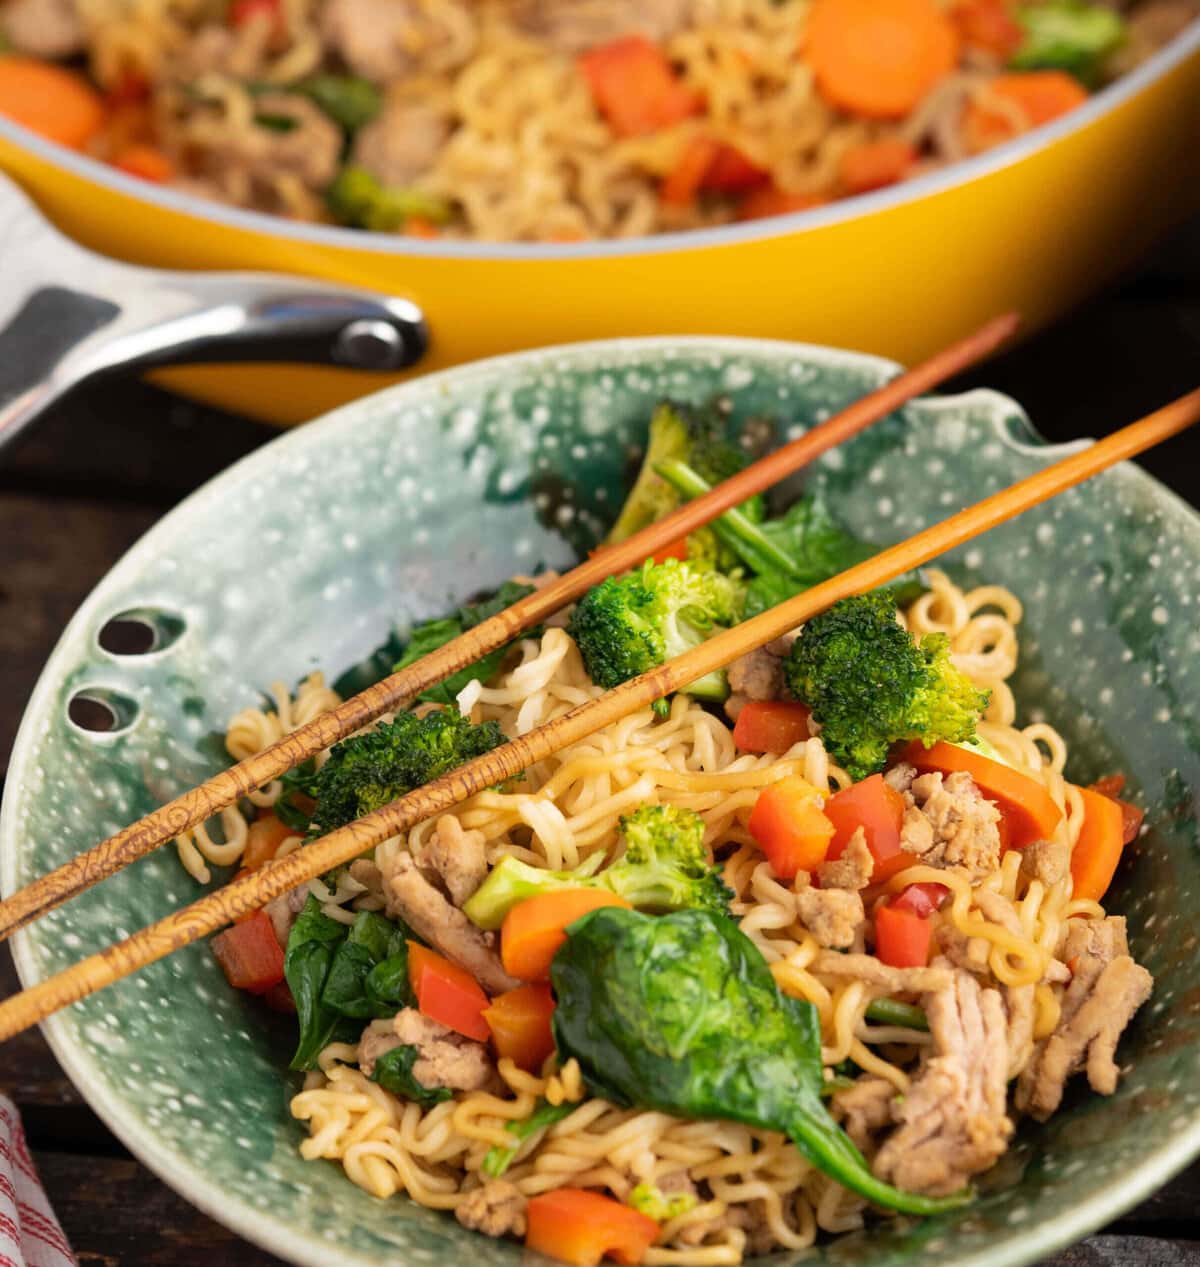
(870, 685)
(356, 198)
(629, 624)
(1069, 35)
(693, 436)
(664, 868)
(366, 772)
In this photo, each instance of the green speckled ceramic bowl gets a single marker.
(309, 551)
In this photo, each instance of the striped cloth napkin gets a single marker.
(30, 1235)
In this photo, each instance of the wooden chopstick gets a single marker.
(192, 807)
(251, 891)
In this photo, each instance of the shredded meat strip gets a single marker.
(952, 1123)
(430, 915)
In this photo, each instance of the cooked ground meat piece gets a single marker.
(1106, 990)
(947, 823)
(734, 704)
(865, 1108)
(444, 926)
(575, 25)
(376, 1040)
(900, 777)
(284, 909)
(833, 916)
(969, 953)
(496, 1209)
(1046, 860)
(871, 971)
(447, 1058)
(384, 40)
(42, 28)
(457, 856)
(853, 869)
(758, 675)
(952, 1122)
(401, 143)
(368, 874)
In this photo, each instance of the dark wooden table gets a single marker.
(95, 475)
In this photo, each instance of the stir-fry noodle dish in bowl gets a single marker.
(605, 155)
(874, 947)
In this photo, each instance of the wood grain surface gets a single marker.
(101, 469)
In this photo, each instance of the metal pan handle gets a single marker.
(67, 315)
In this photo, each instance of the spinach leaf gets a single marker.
(387, 986)
(349, 100)
(312, 946)
(432, 634)
(497, 1160)
(294, 804)
(680, 1013)
(393, 1072)
(345, 990)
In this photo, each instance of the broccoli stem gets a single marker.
(893, 1012)
(732, 528)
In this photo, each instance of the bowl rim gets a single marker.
(271, 1232)
(955, 174)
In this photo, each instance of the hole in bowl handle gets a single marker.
(67, 315)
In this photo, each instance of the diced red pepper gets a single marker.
(677, 549)
(582, 1227)
(635, 87)
(447, 993)
(921, 899)
(902, 938)
(250, 954)
(731, 172)
(279, 998)
(789, 827)
(876, 807)
(242, 11)
(771, 726)
(681, 185)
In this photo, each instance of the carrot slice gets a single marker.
(1024, 802)
(771, 726)
(875, 164)
(1037, 96)
(266, 834)
(447, 993)
(520, 1024)
(1098, 849)
(902, 937)
(1112, 785)
(53, 102)
(989, 25)
(581, 1227)
(878, 58)
(682, 184)
(789, 827)
(635, 87)
(876, 807)
(534, 929)
(761, 203)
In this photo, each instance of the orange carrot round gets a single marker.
(534, 929)
(1036, 96)
(53, 102)
(878, 58)
(520, 1024)
(1098, 849)
(788, 826)
(581, 1227)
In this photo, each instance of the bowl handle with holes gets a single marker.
(68, 314)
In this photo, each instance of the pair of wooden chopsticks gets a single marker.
(253, 890)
